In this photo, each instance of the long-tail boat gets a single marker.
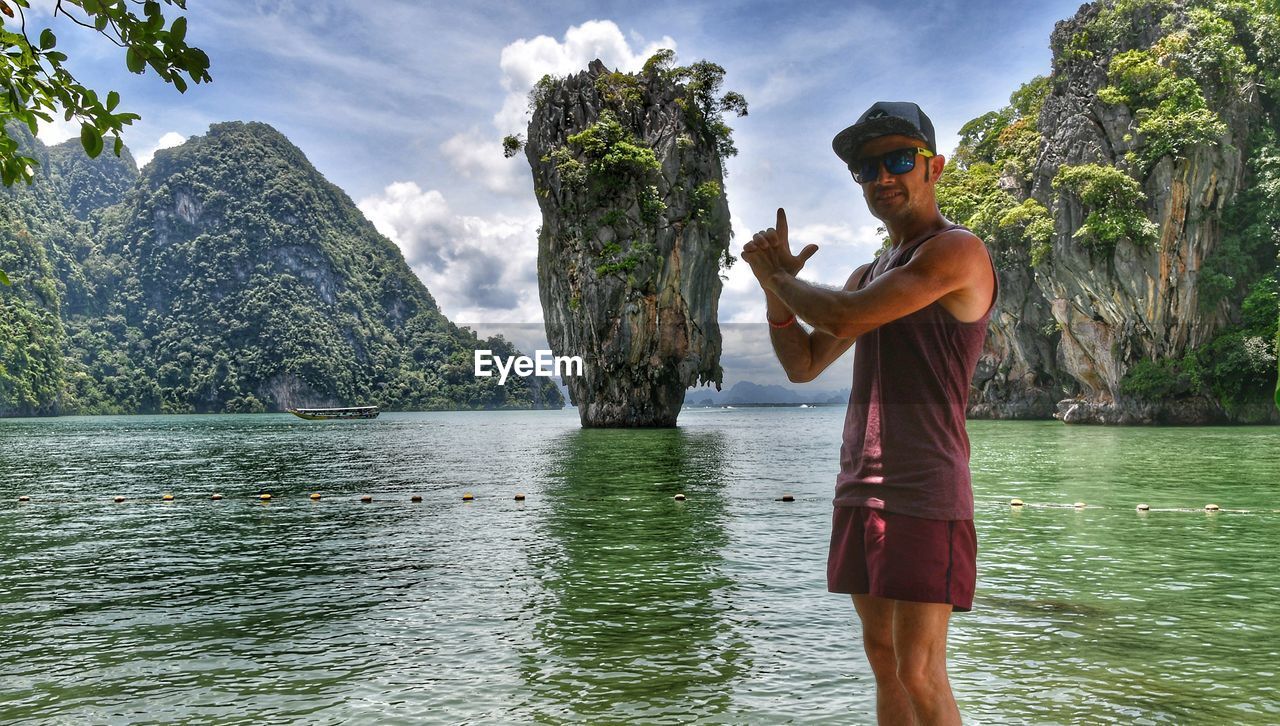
(325, 414)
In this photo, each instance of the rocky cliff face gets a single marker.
(635, 231)
(1072, 326)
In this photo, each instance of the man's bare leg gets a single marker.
(893, 706)
(920, 643)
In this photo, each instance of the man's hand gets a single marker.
(769, 252)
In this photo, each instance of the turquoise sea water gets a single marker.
(600, 599)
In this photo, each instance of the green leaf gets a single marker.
(100, 23)
(113, 100)
(4, 279)
(47, 39)
(134, 61)
(91, 140)
(179, 29)
(118, 146)
(195, 61)
(179, 84)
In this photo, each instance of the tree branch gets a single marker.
(57, 8)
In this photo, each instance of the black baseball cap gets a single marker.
(884, 118)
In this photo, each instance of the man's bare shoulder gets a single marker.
(958, 259)
(956, 254)
(953, 243)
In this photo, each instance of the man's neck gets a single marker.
(901, 232)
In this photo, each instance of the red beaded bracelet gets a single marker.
(784, 323)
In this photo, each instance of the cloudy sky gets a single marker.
(403, 105)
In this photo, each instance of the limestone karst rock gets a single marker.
(1076, 316)
(635, 232)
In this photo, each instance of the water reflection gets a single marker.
(633, 619)
(151, 612)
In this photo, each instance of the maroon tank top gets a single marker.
(905, 446)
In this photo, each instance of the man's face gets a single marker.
(895, 197)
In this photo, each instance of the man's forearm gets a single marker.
(824, 309)
(791, 343)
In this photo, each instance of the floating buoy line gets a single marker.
(1014, 504)
(1017, 504)
(266, 497)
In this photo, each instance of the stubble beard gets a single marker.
(896, 211)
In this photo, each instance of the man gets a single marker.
(902, 541)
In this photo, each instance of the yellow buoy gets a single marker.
(679, 497)
(167, 497)
(1079, 505)
(1015, 502)
(519, 496)
(787, 498)
(415, 498)
(216, 497)
(468, 497)
(366, 498)
(315, 496)
(1144, 507)
(265, 497)
(1211, 508)
(119, 499)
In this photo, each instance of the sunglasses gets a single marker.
(898, 161)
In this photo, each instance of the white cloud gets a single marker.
(866, 237)
(743, 302)
(480, 270)
(525, 61)
(169, 140)
(477, 157)
(57, 131)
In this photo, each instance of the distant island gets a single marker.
(746, 393)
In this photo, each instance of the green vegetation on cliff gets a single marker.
(617, 169)
(1115, 203)
(1237, 367)
(1000, 144)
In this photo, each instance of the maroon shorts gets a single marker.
(900, 557)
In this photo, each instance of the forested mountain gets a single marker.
(228, 276)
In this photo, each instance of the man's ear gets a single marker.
(936, 165)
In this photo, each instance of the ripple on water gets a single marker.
(600, 599)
